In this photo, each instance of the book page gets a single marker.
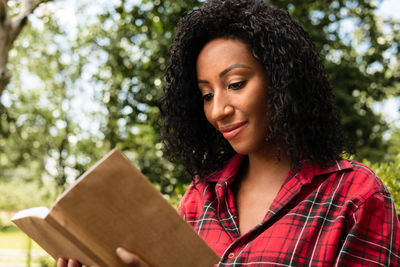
(114, 205)
(46, 236)
(40, 212)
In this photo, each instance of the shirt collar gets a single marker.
(311, 169)
(228, 172)
(307, 172)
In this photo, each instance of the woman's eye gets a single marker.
(237, 85)
(207, 97)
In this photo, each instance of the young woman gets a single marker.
(248, 109)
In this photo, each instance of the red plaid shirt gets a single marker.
(337, 215)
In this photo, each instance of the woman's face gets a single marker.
(234, 88)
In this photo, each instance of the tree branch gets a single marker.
(29, 6)
(3, 10)
(19, 21)
(10, 28)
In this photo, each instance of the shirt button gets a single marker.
(231, 255)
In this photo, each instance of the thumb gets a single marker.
(129, 258)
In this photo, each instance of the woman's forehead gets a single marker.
(224, 53)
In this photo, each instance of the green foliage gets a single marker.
(136, 40)
(47, 262)
(39, 133)
(356, 47)
(15, 195)
(74, 97)
(133, 41)
(389, 172)
(5, 222)
(394, 143)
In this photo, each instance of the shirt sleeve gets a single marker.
(373, 238)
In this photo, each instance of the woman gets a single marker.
(248, 109)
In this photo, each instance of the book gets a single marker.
(113, 205)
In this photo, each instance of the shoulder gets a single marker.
(347, 182)
(358, 186)
(344, 176)
(363, 179)
(373, 229)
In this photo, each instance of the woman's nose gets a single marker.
(222, 107)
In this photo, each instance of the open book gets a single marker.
(113, 205)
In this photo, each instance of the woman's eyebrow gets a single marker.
(237, 65)
(225, 71)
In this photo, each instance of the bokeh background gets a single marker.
(85, 77)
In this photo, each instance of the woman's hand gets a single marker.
(130, 259)
(61, 262)
(126, 257)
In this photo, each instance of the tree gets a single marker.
(40, 138)
(117, 63)
(10, 28)
(32, 128)
(132, 43)
(356, 47)
(136, 40)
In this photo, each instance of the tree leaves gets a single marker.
(73, 99)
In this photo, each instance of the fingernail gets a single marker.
(119, 250)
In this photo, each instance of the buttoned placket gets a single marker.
(227, 215)
(289, 190)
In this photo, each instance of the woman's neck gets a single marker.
(267, 166)
(259, 181)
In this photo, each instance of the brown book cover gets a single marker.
(113, 205)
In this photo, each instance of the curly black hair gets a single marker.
(302, 120)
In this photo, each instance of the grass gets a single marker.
(15, 239)
(14, 246)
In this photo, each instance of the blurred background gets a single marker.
(84, 77)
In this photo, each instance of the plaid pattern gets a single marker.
(335, 215)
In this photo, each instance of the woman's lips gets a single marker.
(231, 130)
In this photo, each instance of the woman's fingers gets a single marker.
(73, 263)
(129, 258)
(61, 262)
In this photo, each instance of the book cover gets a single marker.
(113, 205)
